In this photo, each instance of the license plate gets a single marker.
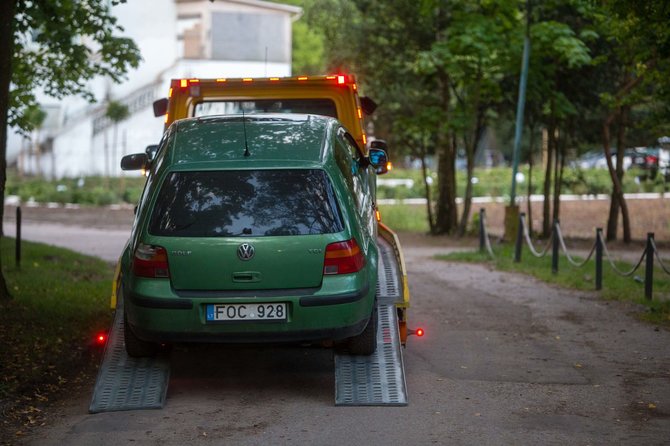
(246, 312)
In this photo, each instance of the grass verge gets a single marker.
(408, 218)
(60, 299)
(615, 286)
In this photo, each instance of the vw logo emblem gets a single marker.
(245, 251)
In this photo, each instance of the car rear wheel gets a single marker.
(136, 347)
(365, 343)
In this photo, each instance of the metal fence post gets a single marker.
(599, 259)
(482, 242)
(519, 239)
(18, 237)
(554, 247)
(649, 267)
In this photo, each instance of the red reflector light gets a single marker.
(341, 80)
(101, 338)
(343, 258)
(151, 261)
(183, 83)
(419, 332)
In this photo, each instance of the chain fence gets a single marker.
(556, 243)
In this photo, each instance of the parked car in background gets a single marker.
(652, 161)
(596, 160)
(253, 229)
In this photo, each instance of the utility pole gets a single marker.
(512, 211)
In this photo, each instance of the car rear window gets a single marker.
(311, 106)
(243, 203)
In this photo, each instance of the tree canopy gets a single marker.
(57, 46)
(443, 71)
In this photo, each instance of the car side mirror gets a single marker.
(379, 160)
(160, 107)
(368, 105)
(136, 161)
(151, 151)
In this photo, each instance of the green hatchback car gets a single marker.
(254, 228)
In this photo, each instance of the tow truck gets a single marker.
(126, 383)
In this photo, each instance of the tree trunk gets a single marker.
(531, 161)
(427, 192)
(558, 175)
(446, 206)
(621, 148)
(7, 11)
(546, 204)
(617, 189)
(467, 198)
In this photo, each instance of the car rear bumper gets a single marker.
(335, 334)
(310, 317)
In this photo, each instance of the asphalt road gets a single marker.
(505, 360)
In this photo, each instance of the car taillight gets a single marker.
(151, 261)
(651, 159)
(343, 258)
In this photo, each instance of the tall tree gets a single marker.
(559, 53)
(57, 47)
(639, 51)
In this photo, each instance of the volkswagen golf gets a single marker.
(253, 228)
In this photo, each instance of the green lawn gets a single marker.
(60, 300)
(614, 286)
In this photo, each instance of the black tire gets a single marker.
(136, 347)
(365, 343)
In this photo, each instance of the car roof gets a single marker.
(268, 137)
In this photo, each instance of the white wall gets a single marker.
(154, 29)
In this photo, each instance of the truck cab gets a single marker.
(333, 95)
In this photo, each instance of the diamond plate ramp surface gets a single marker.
(126, 383)
(378, 379)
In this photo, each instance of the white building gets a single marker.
(177, 39)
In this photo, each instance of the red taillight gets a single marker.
(651, 159)
(343, 258)
(101, 338)
(151, 261)
(341, 80)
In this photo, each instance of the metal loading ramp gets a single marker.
(126, 383)
(378, 379)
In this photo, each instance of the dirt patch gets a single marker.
(579, 219)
